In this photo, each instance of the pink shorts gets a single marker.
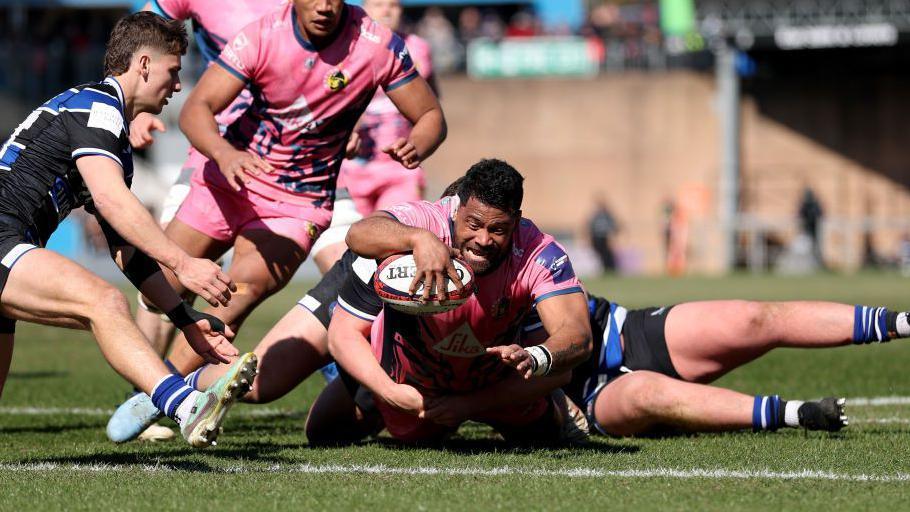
(378, 184)
(222, 213)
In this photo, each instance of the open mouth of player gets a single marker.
(474, 255)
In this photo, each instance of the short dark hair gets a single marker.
(452, 189)
(494, 183)
(142, 29)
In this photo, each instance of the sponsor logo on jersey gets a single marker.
(336, 80)
(105, 117)
(233, 58)
(461, 343)
(369, 36)
(240, 42)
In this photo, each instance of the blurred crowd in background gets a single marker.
(43, 50)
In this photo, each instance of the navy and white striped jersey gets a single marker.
(39, 182)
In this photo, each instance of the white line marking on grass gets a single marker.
(683, 474)
(876, 401)
(880, 420)
(89, 411)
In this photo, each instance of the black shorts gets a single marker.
(15, 240)
(645, 346)
(321, 299)
(644, 349)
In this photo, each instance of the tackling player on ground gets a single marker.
(74, 151)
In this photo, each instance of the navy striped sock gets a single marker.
(169, 393)
(767, 413)
(171, 367)
(872, 324)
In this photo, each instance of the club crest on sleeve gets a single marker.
(556, 261)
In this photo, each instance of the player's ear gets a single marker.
(145, 65)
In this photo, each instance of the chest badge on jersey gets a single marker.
(336, 80)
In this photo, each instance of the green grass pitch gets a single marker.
(54, 455)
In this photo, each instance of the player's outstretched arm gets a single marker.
(131, 221)
(349, 346)
(565, 317)
(416, 101)
(453, 410)
(216, 89)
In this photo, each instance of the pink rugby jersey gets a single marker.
(306, 101)
(214, 23)
(382, 124)
(445, 353)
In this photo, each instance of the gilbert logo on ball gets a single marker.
(394, 276)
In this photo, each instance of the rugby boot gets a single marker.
(132, 418)
(574, 430)
(203, 424)
(825, 414)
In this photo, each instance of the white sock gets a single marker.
(903, 325)
(186, 407)
(791, 413)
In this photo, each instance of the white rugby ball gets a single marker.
(395, 274)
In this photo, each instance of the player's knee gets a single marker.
(107, 300)
(648, 393)
(758, 318)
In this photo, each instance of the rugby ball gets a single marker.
(394, 276)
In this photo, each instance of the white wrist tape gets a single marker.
(541, 360)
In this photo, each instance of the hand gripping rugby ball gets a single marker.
(394, 276)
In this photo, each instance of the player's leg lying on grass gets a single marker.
(644, 402)
(701, 351)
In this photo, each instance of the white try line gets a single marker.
(682, 474)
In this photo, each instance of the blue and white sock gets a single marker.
(170, 394)
(877, 325)
(767, 413)
(192, 378)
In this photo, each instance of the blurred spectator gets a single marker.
(601, 228)
(522, 24)
(439, 32)
(810, 216)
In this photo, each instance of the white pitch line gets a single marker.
(880, 420)
(682, 474)
(877, 401)
(89, 411)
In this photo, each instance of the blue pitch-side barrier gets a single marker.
(68, 239)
